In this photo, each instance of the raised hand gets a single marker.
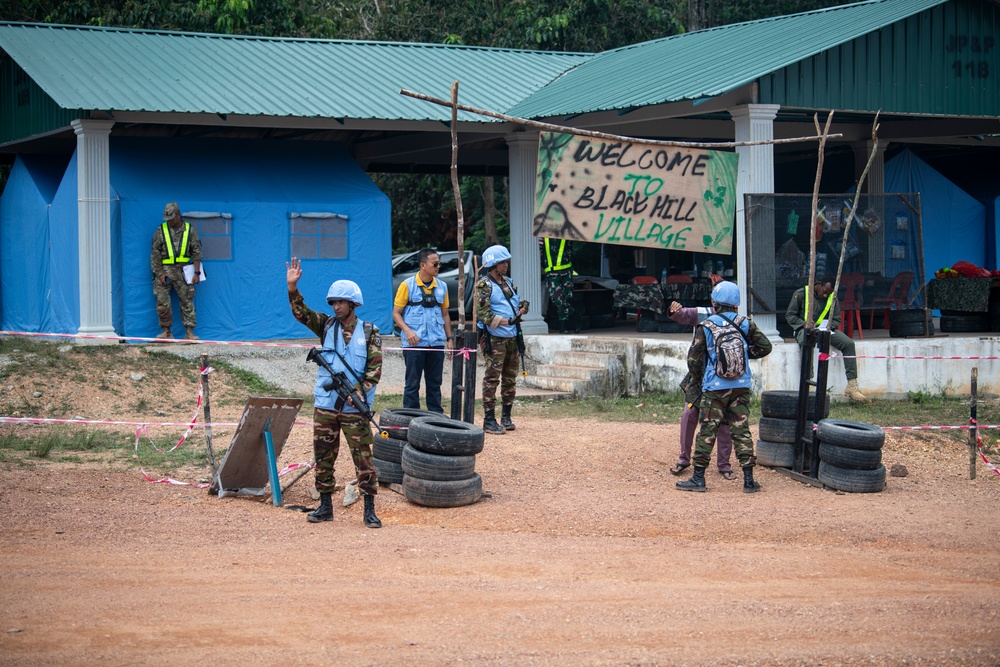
(293, 273)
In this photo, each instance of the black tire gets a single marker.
(443, 494)
(911, 329)
(388, 449)
(852, 481)
(772, 429)
(784, 404)
(388, 472)
(963, 323)
(402, 416)
(912, 316)
(851, 459)
(850, 434)
(995, 323)
(776, 454)
(436, 467)
(448, 437)
(673, 327)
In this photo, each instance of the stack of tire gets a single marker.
(439, 462)
(957, 321)
(906, 323)
(387, 452)
(776, 430)
(850, 456)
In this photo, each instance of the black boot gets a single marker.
(563, 326)
(324, 512)
(505, 418)
(371, 520)
(490, 424)
(749, 486)
(696, 483)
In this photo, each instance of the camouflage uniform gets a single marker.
(730, 406)
(501, 362)
(795, 316)
(185, 292)
(559, 280)
(327, 424)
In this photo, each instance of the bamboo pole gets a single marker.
(550, 127)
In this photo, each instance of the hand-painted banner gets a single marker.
(635, 194)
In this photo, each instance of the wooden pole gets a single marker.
(208, 417)
(974, 431)
(810, 306)
(854, 205)
(459, 212)
(605, 135)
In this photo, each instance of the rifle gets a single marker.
(520, 343)
(345, 390)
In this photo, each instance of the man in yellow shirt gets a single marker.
(420, 310)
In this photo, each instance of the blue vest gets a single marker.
(500, 306)
(711, 381)
(356, 354)
(425, 321)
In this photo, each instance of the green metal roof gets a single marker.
(709, 62)
(112, 69)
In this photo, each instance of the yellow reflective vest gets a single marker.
(182, 258)
(558, 265)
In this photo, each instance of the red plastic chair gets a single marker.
(896, 298)
(850, 305)
(642, 280)
(678, 278)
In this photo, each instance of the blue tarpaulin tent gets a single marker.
(255, 204)
(954, 223)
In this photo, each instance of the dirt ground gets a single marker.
(584, 555)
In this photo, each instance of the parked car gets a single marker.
(407, 264)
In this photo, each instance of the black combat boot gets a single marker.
(564, 326)
(505, 418)
(696, 483)
(749, 486)
(324, 512)
(371, 520)
(490, 424)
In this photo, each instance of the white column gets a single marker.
(526, 271)
(755, 122)
(94, 225)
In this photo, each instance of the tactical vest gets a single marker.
(423, 312)
(182, 258)
(356, 355)
(503, 308)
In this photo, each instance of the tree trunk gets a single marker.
(489, 212)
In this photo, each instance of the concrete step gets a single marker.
(573, 372)
(559, 384)
(585, 358)
(604, 345)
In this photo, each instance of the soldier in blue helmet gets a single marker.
(353, 347)
(720, 355)
(499, 309)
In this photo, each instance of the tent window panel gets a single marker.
(304, 247)
(215, 231)
(318, 235)
(333, 247)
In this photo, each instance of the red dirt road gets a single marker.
(584, 555)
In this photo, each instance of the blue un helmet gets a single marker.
(345, 290)
(726, 294)
(494, 255)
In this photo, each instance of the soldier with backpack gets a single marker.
(353, 347)
(720, 355)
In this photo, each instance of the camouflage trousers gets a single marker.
(327, 426)
(731, 407)
(561, 293)
(185, 294)
(501, 370)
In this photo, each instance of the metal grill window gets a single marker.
(318, 235)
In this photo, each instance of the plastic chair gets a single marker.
(896, 298)
(678, 278)
(850, 305)
(642, 280)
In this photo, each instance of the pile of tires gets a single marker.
(776, 430)
(905, 323)
(387, 452)
(850, 456)
(961, 322)
(439, 462)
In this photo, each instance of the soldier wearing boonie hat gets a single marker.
(175, 245)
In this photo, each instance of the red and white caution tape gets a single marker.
(933, 357)
(979, 446)
(937, 428)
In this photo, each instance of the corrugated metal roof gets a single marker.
(138, 70)
(708, 62)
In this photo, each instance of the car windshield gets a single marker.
(411, 264)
